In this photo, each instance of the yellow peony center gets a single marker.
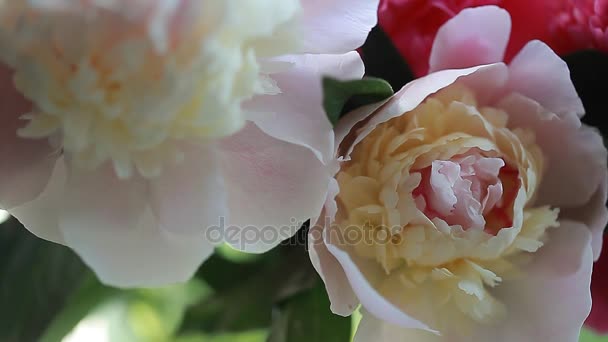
(128, 83)
(443, 195)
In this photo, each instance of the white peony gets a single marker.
(139, 132)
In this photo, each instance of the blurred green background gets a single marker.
(47, 295)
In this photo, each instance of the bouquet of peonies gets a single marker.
(242, 170)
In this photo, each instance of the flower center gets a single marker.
(468, 191)
(129, 83)
(444, 196)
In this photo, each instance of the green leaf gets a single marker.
(306, 317)
(588, 336)
(37, 278)
(247, 336)
(245, 294)
(343, 96)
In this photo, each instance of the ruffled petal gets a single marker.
(109, 223)
(296, 114)
(475, 36)
(337, 26)
(273, 187)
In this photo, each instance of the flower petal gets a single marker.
(538, 73)
(26, 164)
(361, 283)
(343, 299)
(337, 26)
(110, 225)
(552, 299)
(372, 329)
(189, 197)
(296, 115)
(572, 152)
(548, 303)
(475, 36)
(39, 216)
(273, 188)
(485, 78)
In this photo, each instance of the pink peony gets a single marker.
(138, 132)
(470, 205)
(565, 25)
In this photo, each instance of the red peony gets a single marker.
(598, 319)
(565, 25)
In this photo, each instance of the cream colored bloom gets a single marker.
(470, 206)
(444, 193)
(128, 82)
(142, 133)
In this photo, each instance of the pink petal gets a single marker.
(26, 164)
(361, 275)
(575, 156)
(552, 299)
(538, 73)
(189, 197)
(441, 196)
(273, 187)
(337, 26)
(110, 225)
(296, 115)
(475, 36)
(594, 215)
(40, 216)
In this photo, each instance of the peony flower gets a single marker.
(565, 25)
(469, 206)
(139, 132)
(598, 318)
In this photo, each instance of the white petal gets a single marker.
(189, 197)
(109, 224)
(486, 78)
(372, 329)
(548, 303)
(296, 114)
(343, 299)
(41, 214)
(273, 187)
(360, 275)
(552, 299)
(337, 26)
